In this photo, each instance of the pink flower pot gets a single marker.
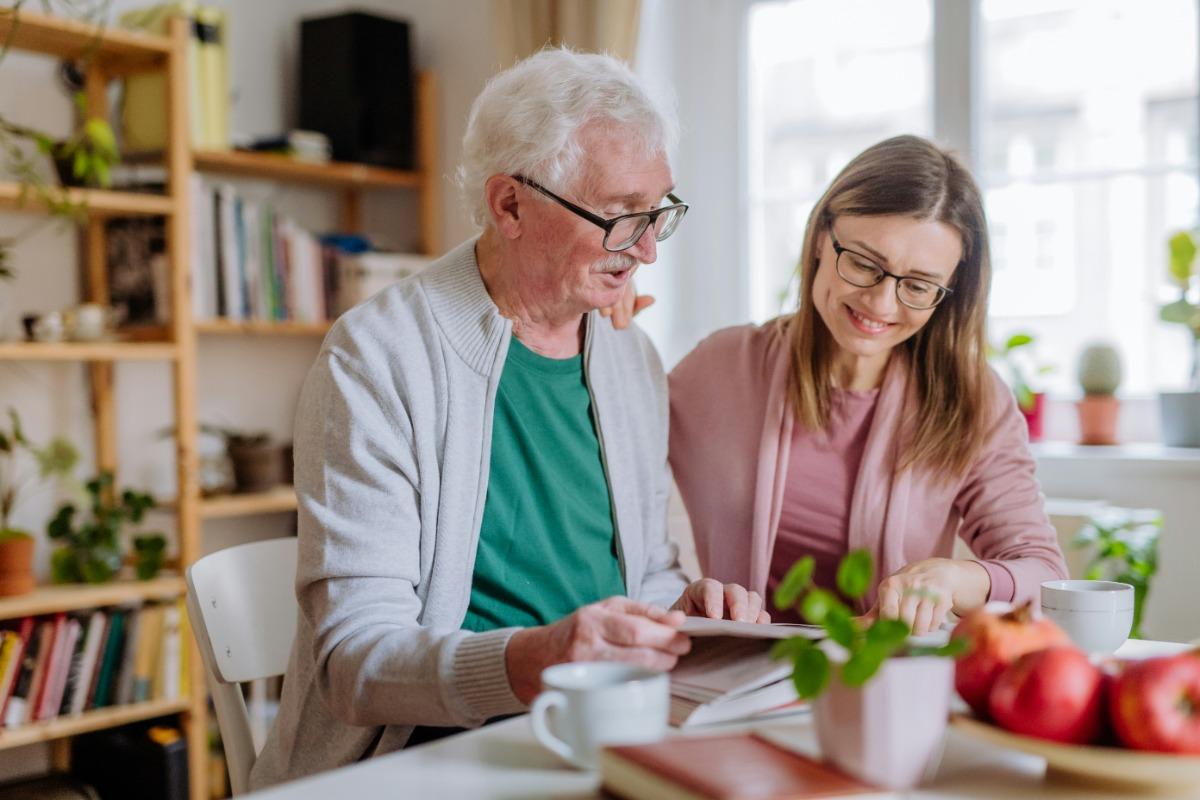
(1033, 416)
(1098, 419)
(889, 732)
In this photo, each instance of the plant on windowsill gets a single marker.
(1017, 363)
(884, 716)
(1180, 411)
(1099, 377)
(1124, 544)
(55, 459)
(90, 548)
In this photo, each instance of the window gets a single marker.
(826, 78)
(1083, 120)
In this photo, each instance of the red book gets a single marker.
(54, 664)
(45, 643)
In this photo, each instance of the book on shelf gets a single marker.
(15, 644)
(18, 701)
(147, 653)
(101, 691)
(80, 687)
(730, 767)
(51, 644)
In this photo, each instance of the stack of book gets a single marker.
(64, 664)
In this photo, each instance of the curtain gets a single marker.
(525, 26)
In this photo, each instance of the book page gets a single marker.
(703, 626)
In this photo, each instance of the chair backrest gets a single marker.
(242, 607)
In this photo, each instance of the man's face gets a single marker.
(571, 268)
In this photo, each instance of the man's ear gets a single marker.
(503, 203)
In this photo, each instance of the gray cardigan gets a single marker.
(393, 441)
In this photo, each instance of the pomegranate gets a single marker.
(994, 642)
(1155, 704)
(1055, 693)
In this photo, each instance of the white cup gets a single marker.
(1097, 615)
(596, 704)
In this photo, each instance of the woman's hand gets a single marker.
(629, 306)
(925, 591)
(709, 598)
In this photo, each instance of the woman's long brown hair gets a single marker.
(947, 358)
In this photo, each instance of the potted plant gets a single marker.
(90, 547)
(257, 461)
(1124, 548)
(1015, 360)
(880, 703)
(1099, 376)
(1180, 411)
(16, 546)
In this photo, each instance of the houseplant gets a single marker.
(1016, 361)
(884, 716)
(16, 476)
(1180, 411)
(1099, 376)
(257, 461)
(1124, 548)
(89, 547)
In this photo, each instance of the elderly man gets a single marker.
(480, 457)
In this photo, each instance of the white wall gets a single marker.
(248, 382)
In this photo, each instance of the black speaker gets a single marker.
(357, 87)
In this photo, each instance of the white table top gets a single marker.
(503, 760)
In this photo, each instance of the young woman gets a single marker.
(869, 418)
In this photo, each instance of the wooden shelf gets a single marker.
(96, 202)
(114, 49)
(94, 720)
(78, 596)
(270, 166)
(87, 351)
(281, 498)
(262, 327)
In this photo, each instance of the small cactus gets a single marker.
(1099, 369)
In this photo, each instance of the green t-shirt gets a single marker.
(547, 544)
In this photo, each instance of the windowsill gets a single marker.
(1134, 451)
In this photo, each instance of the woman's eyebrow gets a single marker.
(884, 261)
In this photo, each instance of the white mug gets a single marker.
(596, 704)
(1096, 615)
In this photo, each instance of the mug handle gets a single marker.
(541, 730)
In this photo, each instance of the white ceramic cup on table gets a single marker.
(587, 705)
(1097, 615)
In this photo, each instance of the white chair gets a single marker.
(242, 606)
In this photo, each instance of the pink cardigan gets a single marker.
(731, 432)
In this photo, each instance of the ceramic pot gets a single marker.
(1180, 416)
(1098, 419)
(16, 565)
(256, 467)
(889, 732)
(1033, 417)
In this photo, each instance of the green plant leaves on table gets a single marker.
(817, 605)
(854, 574)
(811, 671)
(795, 583)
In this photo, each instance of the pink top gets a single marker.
(731, 439)
(813, 520)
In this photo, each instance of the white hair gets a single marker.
(527, 119)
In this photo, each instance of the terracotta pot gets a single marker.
(1098, 419)
(889, 732)
(256, 468)
(16, 566)
(1033, 417)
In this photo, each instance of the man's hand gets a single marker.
(629, 306)
(925, 591)
(709, 598)
(616, 629)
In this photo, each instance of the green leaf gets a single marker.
(56, 458)
(1180, 311)
(888, 633)
(817, 605)
(811, 672)
(788, 648)
(854, 574)
(60, 525)
(63, 567)
(1182, 248)
(79, 164)
(840, 627)
(797, 580)
(863, 665)
(18, 433)
(1017, 340)
(1025, 397)
(952, 649)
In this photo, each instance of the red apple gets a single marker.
(994, 642)
(1055, 693)
(1155, 704)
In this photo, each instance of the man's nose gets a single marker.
(645, 249)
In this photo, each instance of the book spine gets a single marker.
(18, 704)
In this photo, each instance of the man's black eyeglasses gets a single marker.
(623, 232)
(858, 270)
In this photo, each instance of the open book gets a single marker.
(730, 675)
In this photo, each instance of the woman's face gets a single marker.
(869, 322)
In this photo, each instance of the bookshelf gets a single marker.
(111, 54)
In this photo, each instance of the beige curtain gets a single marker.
(525, 26)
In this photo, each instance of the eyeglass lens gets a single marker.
(913, 292)
(628, 230)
